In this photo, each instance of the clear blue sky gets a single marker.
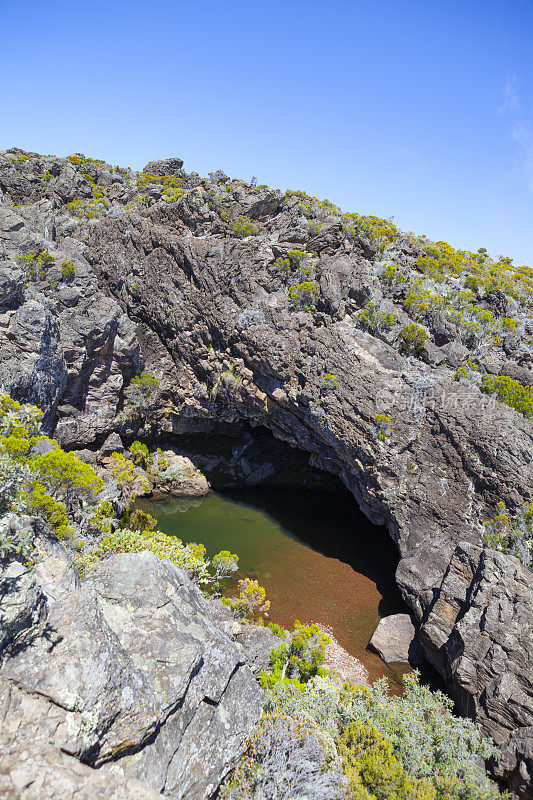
(421, 110)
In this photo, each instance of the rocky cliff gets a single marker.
(260, 310)
(130, 672)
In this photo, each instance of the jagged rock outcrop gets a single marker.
(173, 284)
(129, 672)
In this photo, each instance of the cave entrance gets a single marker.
(298, 531)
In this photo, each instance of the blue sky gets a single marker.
(418, 110)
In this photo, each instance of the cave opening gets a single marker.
(297, 529)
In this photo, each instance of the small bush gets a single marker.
(140, 391)
(299, 659)
(510, 392)
(250, 601)
(392, 276)
(374, 319)
(383, 424)
(67, 270)
(413, 338)
(243, 227)
(304, 295)
(511, 534)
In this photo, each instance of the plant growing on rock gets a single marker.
(250, 601)
(299, 659)
(511, 534)
(413, 338)
(141, 455)
(243, 227)
(510, 392)
(67, 270)
(383, 425)
(375, 319)
(140, 392)
(304, 295)
(37, 265)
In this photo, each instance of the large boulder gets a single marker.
(395, 640)
(130, 668)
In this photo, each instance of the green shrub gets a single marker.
(189, 557)
(251, 599)
(510, 392)
(383, 426)
(511, 533)
(374, 319)
(140, 391)
(243, 227)
(67, 270)
(152, 179)
(299, 659)
(380, 232)
(413, 338)
(392, 276)
(37, 265)
(373, 770)
(93, 208)
(141, 455)
(304, 295)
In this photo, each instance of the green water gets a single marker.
(318, 557)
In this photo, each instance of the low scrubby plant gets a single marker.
(67, 270)
(509, 392)
(511, 533)
(413, 338)
(299, 658)
(304, 295)
(250, 601)
(140, 392)
(383, 426)
(243, 227)
(375, 319)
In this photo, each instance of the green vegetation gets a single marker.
(40, 479)
(510, 392)
(480, 273)
(383, 424)
(511, 534)
(375, 319)
(94, 208)
(349, 742)
(172, 185)
(392, 276)
(373, 769)
(304, 295)
(36, 476)
(413, 338)
(250, 601)
(140, 392)
(36, 265)
(379, 232)
(299, 659)
(243, 227)
(67, 270)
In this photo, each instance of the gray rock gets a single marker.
(257, 644)
(21, 603)
(395, 640)
(130, 668)
(164, 166)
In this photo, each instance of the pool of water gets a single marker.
(316, 554)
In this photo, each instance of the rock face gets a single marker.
(130, 673)
(174, 285)
(394, 640)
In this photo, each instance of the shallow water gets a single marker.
(316, 554)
